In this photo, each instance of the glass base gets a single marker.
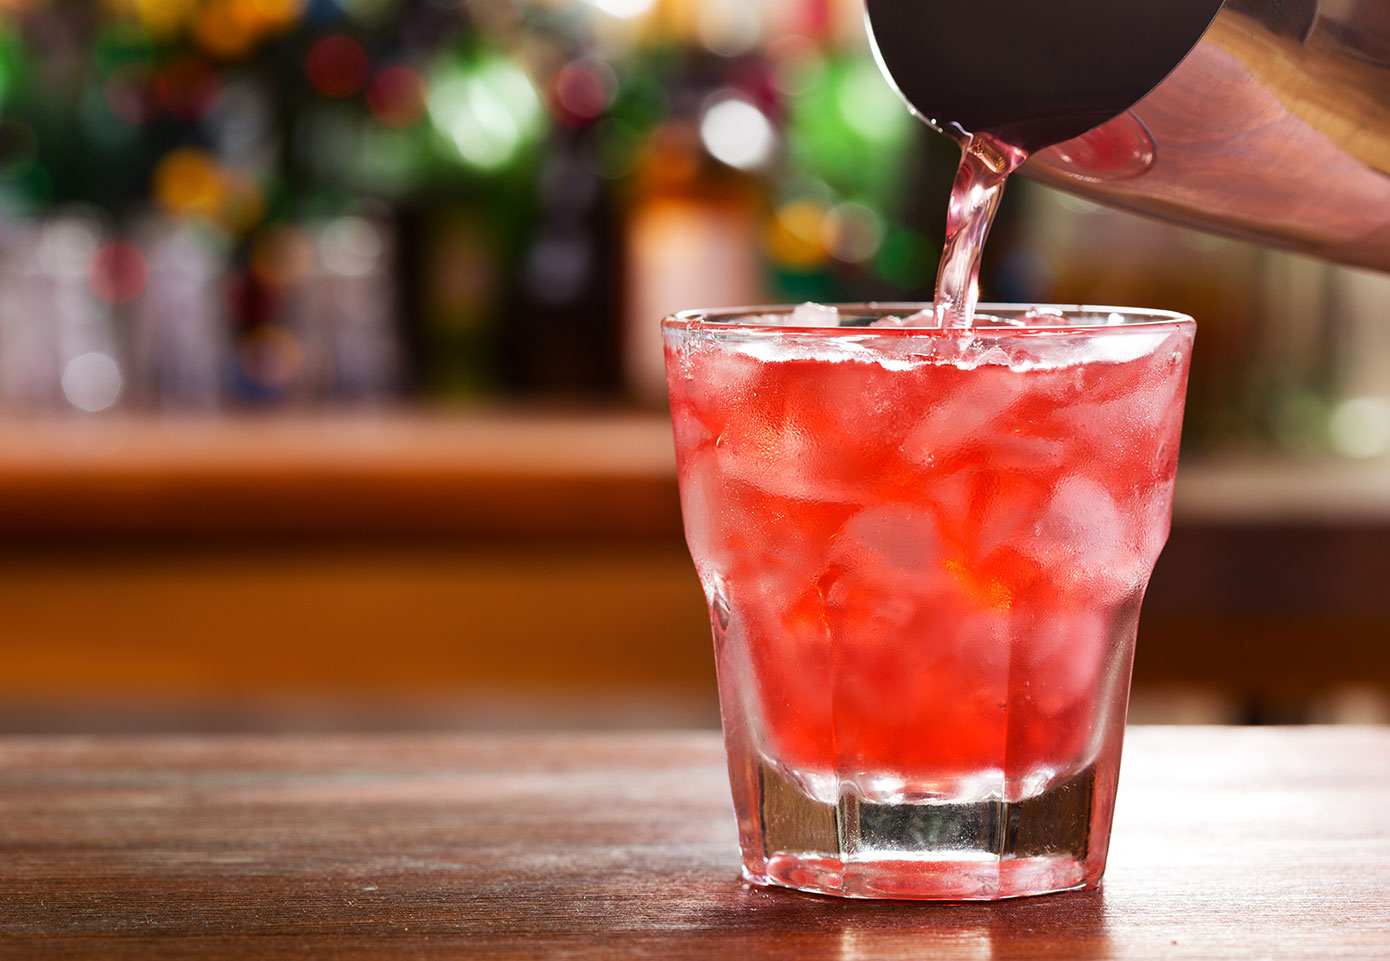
(936, 849)
(922, 880)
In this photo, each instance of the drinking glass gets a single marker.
(924, 552)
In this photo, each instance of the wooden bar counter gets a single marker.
(411, 562)
(1229, 843)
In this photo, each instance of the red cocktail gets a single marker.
(924, 551)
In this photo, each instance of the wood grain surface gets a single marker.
(1229, 843)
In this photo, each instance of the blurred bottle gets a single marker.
(346, 318)
(462, 258)
(316, 314)
(180, 343)
(697, 195)
(29, 361)
(690, 240)
(467, 238)
(562, 332)
(60, 347)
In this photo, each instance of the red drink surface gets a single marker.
(928, 567)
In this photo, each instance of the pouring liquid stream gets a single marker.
(985, 165)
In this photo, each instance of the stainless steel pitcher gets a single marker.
(1273, 125)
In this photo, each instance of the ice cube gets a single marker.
(881, 564)
(1083, 529)
(689, 429)
(701, 506)
(1024, 452)
(1121, 346)
(708, 375)
(963, 413)
(923, 318)
(1107, 428)
(899, 536)
(1064, 654)
(988, 509)
(1133, 422)
(1153, 515)
(814, 315)
(1008, 507)
(982, 646)
(776, 458)
(993, 355)
(968, 353)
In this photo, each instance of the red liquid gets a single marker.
(930, 571)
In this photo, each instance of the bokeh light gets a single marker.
(1360, 427)
(118, 273)
(396, 97)
(163, 18)
(241, 203)
(798, 63)
(282, 256)
(92, 381)
(485, 111)
(189, 181)
(351, 246)
(337, 66)
(737, 133)
(625, 9)
(276, 16)
(187, 88)
(852, 232)
(581, 91)
(226, 28)
(794, 237)
(729, 27)
(869, 106)
(67, 245)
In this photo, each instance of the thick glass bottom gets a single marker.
(922, 880)
(932, 849)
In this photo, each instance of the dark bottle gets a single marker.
(561, 335)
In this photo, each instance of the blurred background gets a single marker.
(330, 380)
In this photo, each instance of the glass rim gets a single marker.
(726, 319)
